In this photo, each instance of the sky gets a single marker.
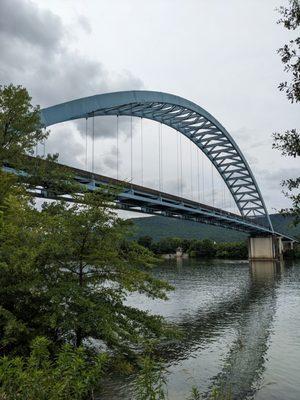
(220, 55)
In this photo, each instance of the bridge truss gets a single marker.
(187, 118)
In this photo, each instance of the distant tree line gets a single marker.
(196, 248)
(205, 248)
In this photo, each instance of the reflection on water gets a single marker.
(231, 315)
(244, 363)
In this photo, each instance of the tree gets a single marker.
(22, 302)
(20, 126)
(20, 131)
(289, 142)
(65, 270)
(90, 269)
(70, 269)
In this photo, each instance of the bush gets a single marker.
(70, 375)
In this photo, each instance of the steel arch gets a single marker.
(187, 118)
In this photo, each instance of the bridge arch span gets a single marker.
(186, 117)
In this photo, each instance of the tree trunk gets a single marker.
(78, 330)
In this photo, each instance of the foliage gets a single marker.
(293, 253)
(90, 270)
(289, 53)
(166, 245)
(65, 270)
(150, 383)
(198, 248)
(231, 251)
(72, 374)
(20, 127)
(19, 285)
(203, 248)
(20, 131)
(195, 394)
(158, 227)
(71, 272)
(55, 179)
(145, 241)
(289, 142)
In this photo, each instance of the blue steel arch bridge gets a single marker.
(197, 125)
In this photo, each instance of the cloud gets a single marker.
(272, 179)
(84, 23)
(110, 160)
(249, 139)
(106, 127)
(65, 142)
(23, 21)
(35, 54)
(175, 186)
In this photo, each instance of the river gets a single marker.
(241, 327)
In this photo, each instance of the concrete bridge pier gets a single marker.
(265, 248)
(268, 248)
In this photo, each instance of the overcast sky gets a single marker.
(219, 54)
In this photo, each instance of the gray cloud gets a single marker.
(22, 20)
(249, 139)
(38, 58)
(110, 160)
(84, 23)
(272, 179)
(106, 127)
(63, 141)
(39, 50)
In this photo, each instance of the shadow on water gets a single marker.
(248, 310)
(209, 323)
(244, 364)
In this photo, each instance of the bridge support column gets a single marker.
(265, 248)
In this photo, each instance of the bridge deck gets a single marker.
(136, 198)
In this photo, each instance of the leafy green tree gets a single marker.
(22, 301)
(289, 142)
(20, 126)
(20, 131)
(55, 179)
(70, 271)
(89, 271)
(65, 271)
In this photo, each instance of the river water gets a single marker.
(241, 327)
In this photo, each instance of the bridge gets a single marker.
(208, 135)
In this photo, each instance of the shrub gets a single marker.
(69, 375)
